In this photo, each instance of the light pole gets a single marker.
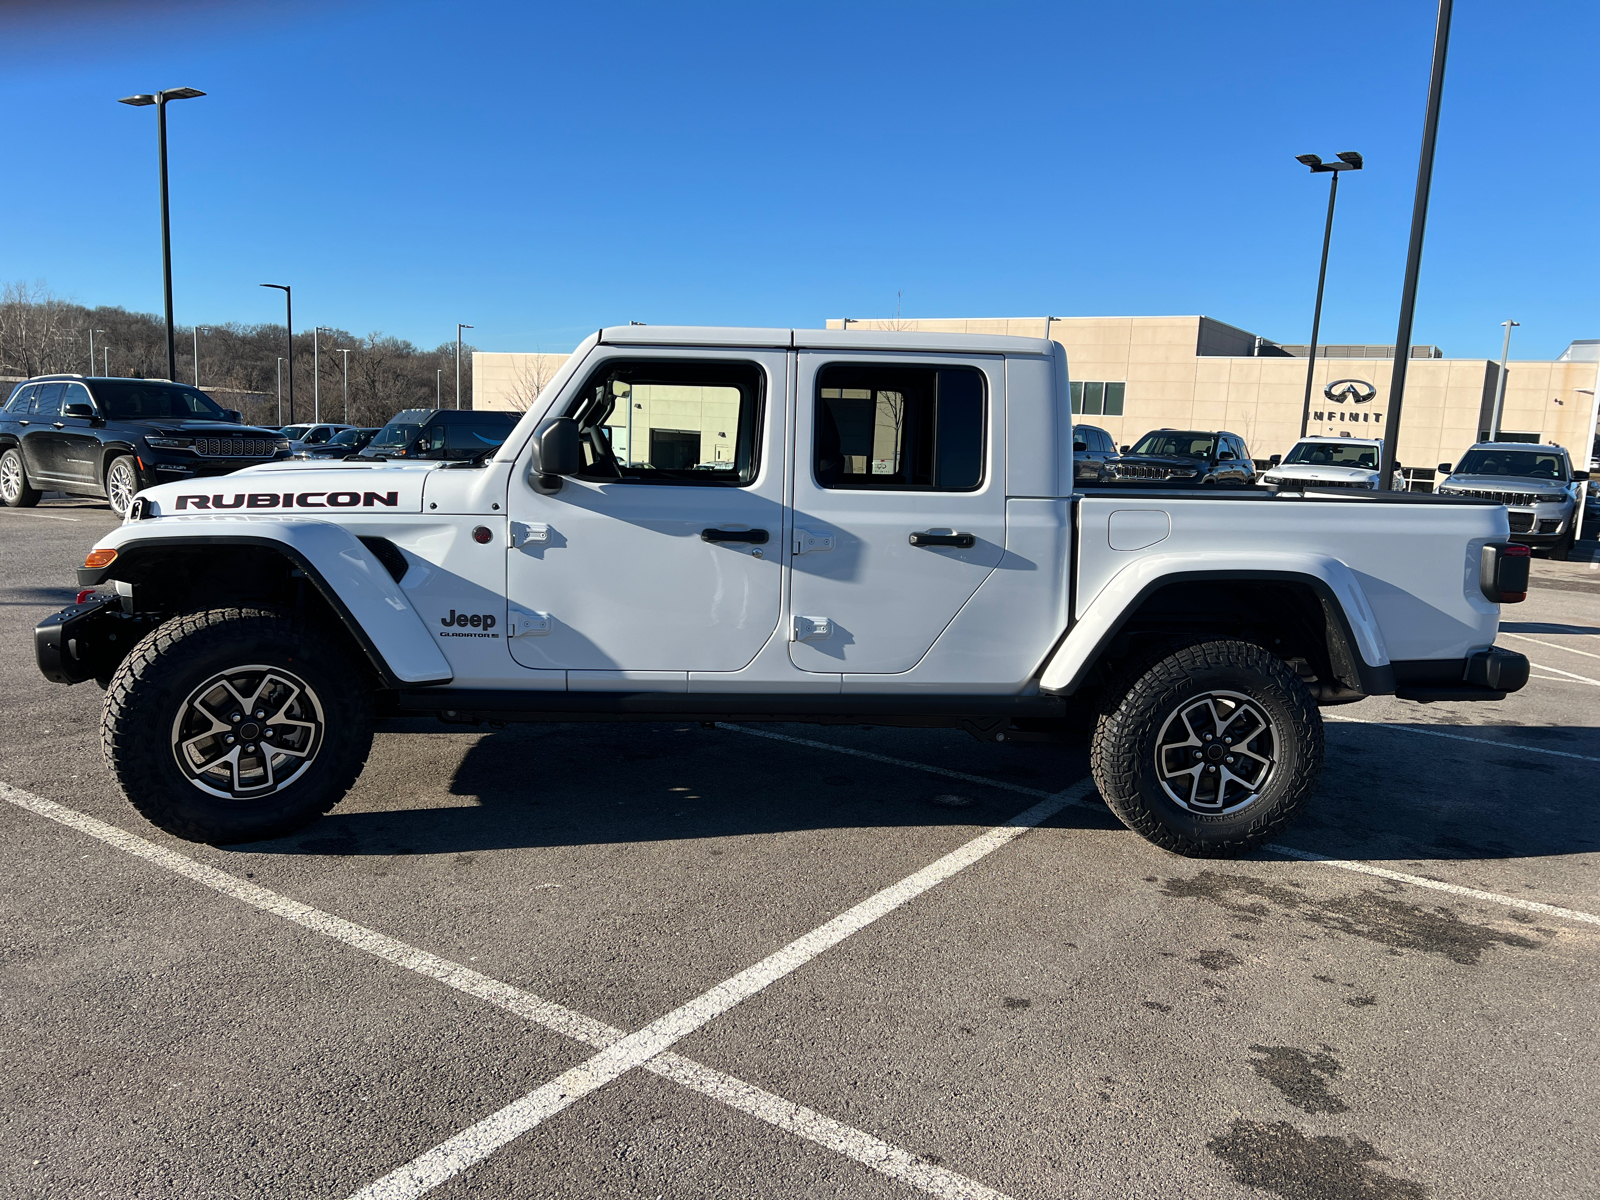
(459, 328)
(160, 100)
(1588, 451)
(92, 332)
(438, 388)
(105, 357)
(1419, 221)
(1500, 387)
(196, 339)
(346, 385)
(1349, 160)
(280, 391)
(288, 326)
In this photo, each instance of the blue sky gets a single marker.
(540, 170)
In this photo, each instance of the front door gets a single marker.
(899, 503)
(79, 448)
(664, 555)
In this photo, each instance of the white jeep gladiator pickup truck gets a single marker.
(776, 525)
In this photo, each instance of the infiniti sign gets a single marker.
(1358, 390)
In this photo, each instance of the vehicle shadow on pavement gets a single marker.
(1391, 794)
(584, 785)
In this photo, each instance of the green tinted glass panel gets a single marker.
(1093, 398)
(1114, 395)
(1077, 397)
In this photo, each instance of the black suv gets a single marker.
(1189, 457)
(434, 433)
(112, 437)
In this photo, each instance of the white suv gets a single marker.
(1331, 462)
(1537, 484)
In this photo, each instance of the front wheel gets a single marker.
(15, 490)
(1208, 750)
(122, 483)
(1562, 550)
(237, 724)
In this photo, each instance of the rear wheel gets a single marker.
(237, 724)
(15, 490)
(122, 483)
(1208, 749)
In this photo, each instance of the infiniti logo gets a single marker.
(1358, 390)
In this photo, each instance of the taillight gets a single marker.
(1503, 572)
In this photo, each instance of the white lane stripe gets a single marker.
(813, 1126)
(1549, 910)
(23, 512)
(1568, 674)
(1552, 645)
(792, 1118)
(1346, 864)
(474, 1144)
(1458, 737)
(884, 758)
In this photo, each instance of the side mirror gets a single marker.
(78, 410)
(1080, 447)
(1124, 450)
(1276, 459)
(1577, 476)
(1444, 468)
(1225, 456)
(557, 451)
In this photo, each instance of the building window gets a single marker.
(1098, 399)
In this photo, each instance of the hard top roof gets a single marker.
(819, 339)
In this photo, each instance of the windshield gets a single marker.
(395, 436)
(132, 399)
(351, 437)
(1523, 464)
(1177, 445)
(1334, 454)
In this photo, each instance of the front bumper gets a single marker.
(159, 467)
(1540, 524)
(86, 641)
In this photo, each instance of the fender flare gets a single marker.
(1354, 633)
(357, 587)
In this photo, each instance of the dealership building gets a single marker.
(1134, 374)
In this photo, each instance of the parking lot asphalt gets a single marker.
(668, 961)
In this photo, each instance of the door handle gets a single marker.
(61, 424)
(964, 541)
(755, 537)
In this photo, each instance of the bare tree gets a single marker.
(530, 376)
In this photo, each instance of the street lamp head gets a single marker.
(1353, 158)
(181, 93)
(137, 101)
(1512, 324)
(282, 287)
(1310, 160)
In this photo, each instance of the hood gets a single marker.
(309, 488)
(1324, 471)
(207, 428)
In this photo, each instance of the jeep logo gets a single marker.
(291, 500)
(463, 621)
(1358, 390)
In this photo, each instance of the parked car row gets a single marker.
(1537, 483)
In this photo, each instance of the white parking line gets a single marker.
(1304, 855)
(1551, 645)
(23, 512)
(1568, 674)
(881, 1156)
(474, 1144)
(1459, 737)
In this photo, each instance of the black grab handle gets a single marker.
(756, 537)
(964, 541)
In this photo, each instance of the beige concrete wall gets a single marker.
(510, 382)
(1260, 399)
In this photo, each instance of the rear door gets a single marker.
(41, 441)
(899, 503)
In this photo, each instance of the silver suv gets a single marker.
(1537, 483)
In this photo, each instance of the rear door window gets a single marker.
(47, 400)
(899, 427)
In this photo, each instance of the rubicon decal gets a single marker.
(482, 623)
(292, 500)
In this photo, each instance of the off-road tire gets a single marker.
(15, 490)
(158, 684)
(1149, 693)
(122, 482)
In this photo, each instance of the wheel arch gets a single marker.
(181, 571)
(1304, 611)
